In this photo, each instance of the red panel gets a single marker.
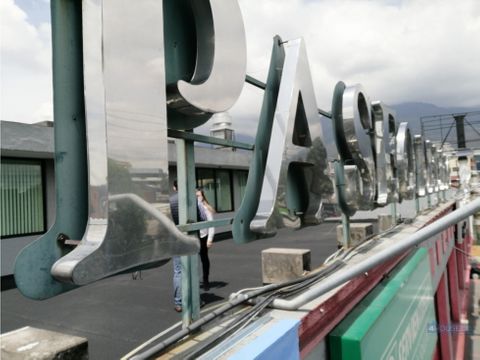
(443, 312)
(460, 268)
(464, 309)
(466, 250)
(444, 243)
(432, 258)
(321, 320)
(453, 287)
(446, 239)
(438, 246)
(460, 349)
(436, 354)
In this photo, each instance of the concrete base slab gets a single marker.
(39, 344)
(280, 264)
(385, 222)
(358, 233)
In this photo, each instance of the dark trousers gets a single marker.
(204, 258)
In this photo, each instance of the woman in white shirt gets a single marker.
(206, 236)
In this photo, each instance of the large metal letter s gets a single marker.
(217, 77)
(354, 132)
(405, 163)
(385, 147)
(435, 168)
(443, 176)
(430, 167)
(420, 165)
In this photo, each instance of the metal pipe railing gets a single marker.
(398, 248)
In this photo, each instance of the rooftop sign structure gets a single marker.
(143, 78)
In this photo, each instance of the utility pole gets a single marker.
(459, 121)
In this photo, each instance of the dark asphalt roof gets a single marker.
(118, 314)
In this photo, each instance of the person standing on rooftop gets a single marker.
(206, 236)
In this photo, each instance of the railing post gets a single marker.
(187, 212)
(393, 212)
(346, 230)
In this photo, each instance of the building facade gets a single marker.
(28, 183)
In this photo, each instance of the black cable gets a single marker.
(215, 339)
(155, 350)
(259, 306)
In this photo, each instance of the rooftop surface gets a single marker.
(118, 314)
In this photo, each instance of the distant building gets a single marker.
(222, 127)
(28, 183)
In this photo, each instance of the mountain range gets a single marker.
(411, 112)
(441, 128)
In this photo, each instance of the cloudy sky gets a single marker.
(412, 50)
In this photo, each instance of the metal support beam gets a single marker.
(33, 263)
(325, 113)
(473, 127)
(398, 248)
(255, 82)
(208, 139)
(261, 85)
(205, 224)
(446, 136)
(187, 212)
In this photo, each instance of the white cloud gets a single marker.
(411, 50)
(26, 90)
(415, 50)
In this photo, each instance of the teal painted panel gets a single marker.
(180, 56)
(248, 208)
(391, 322)
(33, 264)
(278, 342)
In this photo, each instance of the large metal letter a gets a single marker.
(296, 176)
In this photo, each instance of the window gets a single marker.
(22, 198)
(242, 183)
(217, 186)
(224, 190)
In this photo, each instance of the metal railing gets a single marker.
(344, 275)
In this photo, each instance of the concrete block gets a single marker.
(280, 265)
(39, 344)
(358, 233)
(385, 222)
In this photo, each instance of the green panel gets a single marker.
(180, 56)
(391, 321)
(241, 223)
(32, 266)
